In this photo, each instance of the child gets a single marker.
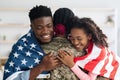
(84, 34)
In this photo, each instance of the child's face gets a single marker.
(79, 38)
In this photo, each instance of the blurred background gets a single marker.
(14, 20)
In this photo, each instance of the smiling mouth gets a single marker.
(46, 37)
(77, 46)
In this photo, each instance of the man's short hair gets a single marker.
(39, 11)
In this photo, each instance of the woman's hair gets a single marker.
(90, 27)
(39, 11)
(62, 15)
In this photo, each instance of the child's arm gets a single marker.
(67, 59)
(82, 75)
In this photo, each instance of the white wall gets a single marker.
(65, 3)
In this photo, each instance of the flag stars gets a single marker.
(7, 71)
(16, 55)
(28, 54)
(11, 64)
(17, 68)
(31, 66)
(32, 45)
(24, 62)
(36, 60)
(24, 39)
(25, 44)
(29, 34)
(20, 48)
(40, 53)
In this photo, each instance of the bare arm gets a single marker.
(48, 63)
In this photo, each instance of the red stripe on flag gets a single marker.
(92, 64)
(115, 64)
(103, 70)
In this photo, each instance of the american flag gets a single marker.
(100, 61)
(25, 54)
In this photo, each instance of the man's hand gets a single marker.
(49, 62)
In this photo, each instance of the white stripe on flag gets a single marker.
(94, 54)
(109, 66)
(14, 75)
(117, 76)
(98, 67)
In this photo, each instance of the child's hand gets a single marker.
(66, 58)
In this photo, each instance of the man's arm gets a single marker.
(48, 63)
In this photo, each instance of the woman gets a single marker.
(85, 35)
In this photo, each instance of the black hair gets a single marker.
(39, 11)
(61, 16)
(89, 26)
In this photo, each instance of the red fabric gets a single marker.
(100, 61)
(59, 29)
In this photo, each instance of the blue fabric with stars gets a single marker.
(25, 54)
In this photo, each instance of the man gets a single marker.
(26, 60)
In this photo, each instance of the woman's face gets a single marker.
(79, 38)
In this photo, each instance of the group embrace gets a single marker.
(61, 46)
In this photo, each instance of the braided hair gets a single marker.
(62, 15)
(89, 26)
(39, 11)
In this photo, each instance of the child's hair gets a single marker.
(62, 15)
(39, 11)
(59, 30)
(89, 27)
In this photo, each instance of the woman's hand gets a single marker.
(66, 58)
